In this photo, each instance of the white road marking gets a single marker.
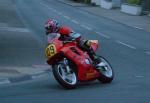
(103, 35)
(36, 75)
(74, 21)
(3, 25)
(67, 17)
(86, 27)
(137, 27)
(4, 81)
(147, 53)
(59, 13)
(54, 10)
(139, 76)
(42, 66)
(45, 5)
(127, 45)
(48, 7)
(14, 29)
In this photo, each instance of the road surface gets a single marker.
(126, 48)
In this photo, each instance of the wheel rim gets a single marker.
(106, 69)
(69, 78)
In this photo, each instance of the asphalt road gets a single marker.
(127, 49)
(19, 47)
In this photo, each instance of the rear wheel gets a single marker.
(106, 71)
(65, 75)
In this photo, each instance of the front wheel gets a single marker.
(105, 70)
(65, 75)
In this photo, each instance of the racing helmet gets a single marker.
(51, 26)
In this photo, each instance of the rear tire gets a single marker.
(62, 77)
(106, 72)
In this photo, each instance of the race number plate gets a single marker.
(50, 50)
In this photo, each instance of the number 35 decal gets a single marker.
(50, 50)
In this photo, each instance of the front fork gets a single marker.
(67, 65)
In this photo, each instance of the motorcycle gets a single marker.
(71, 65)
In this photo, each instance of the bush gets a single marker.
(108, 0)
(87, 1)
(136, 2)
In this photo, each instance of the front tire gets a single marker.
(106, 71)
(65, 79)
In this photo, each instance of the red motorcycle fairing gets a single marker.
(85, 70)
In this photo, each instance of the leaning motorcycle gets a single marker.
(71, 65)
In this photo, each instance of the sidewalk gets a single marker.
(138, 22)
(72, 3)
(11, 31)
(11, 74)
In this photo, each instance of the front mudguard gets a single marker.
(55, 58)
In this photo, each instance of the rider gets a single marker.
(64, 33)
